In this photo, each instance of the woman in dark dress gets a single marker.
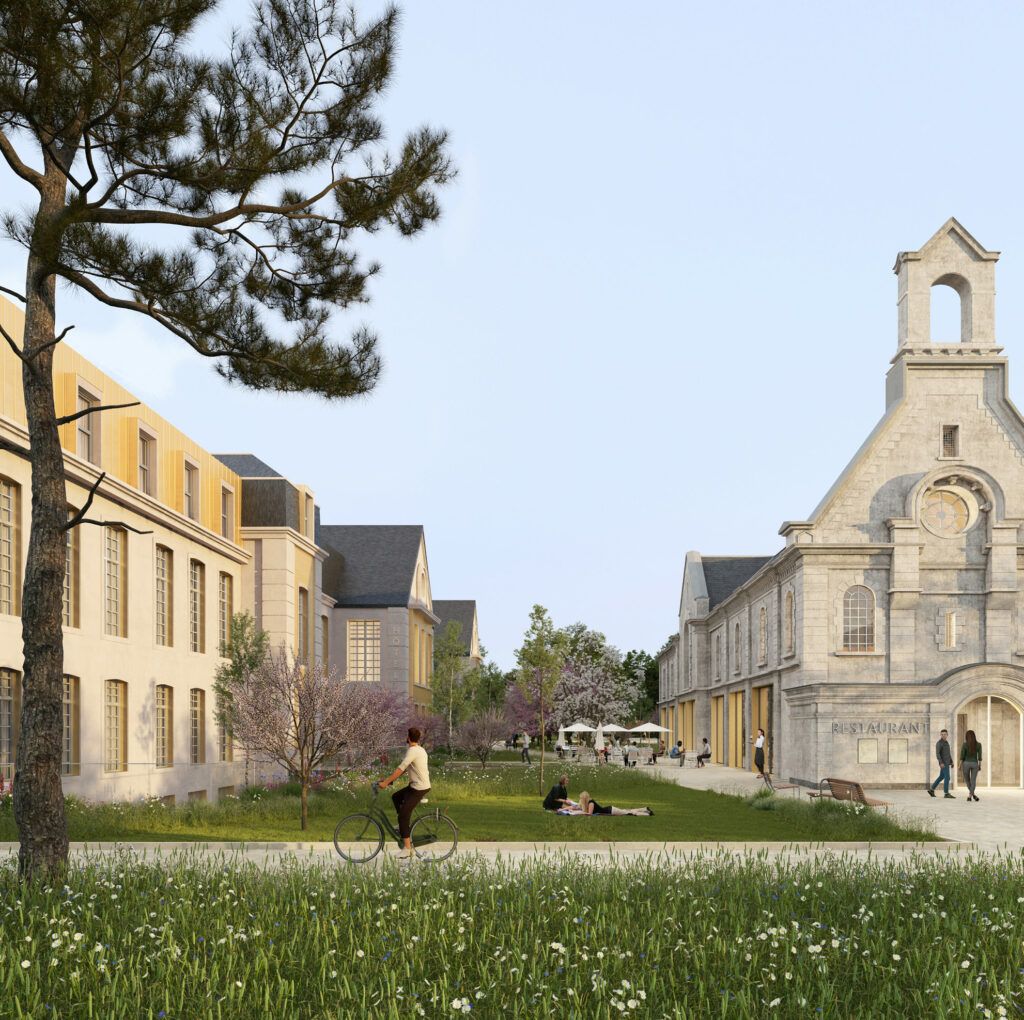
(589, 806)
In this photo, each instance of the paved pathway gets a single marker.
(996, 822)
(274, 854)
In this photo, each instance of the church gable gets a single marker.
(947, 404)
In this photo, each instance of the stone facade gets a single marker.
(897, 608)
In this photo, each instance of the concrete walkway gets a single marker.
(273, 854)
(996, 822)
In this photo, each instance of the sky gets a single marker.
(659, 308)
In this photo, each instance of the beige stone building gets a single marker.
(383, 619)
(897, 607)
(144, 610)
(463, 613)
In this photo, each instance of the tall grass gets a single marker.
(551, 938)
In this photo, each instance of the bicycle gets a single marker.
(359, 837)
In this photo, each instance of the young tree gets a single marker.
(301, 716)
(540, 658)
(490, 685)
(217, 197)
(451, 682)
(477, 736)
(244, 652)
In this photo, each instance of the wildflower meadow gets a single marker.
(556, 937)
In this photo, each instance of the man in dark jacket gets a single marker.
(557, 795)
(945, 759)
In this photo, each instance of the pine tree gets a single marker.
(218, 197)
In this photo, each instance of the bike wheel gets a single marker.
(358, 838)
(434, 837)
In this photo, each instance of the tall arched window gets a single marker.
(762, 635)
(858, 620)
(737, 658)
(790, 628)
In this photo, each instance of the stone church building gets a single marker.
(897, 608)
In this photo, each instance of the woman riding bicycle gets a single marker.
(406, 799)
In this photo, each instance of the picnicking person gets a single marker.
(558, 795)
(588, 806)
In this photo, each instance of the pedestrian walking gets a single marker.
(944, 756)
(525, 753)
(970, 762)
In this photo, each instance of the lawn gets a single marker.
(552, 938)
(496, 803)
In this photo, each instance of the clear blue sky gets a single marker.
(658, 312)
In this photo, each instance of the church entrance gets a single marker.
(999, 726)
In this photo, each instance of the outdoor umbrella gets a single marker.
(578, 727)
(614, 728)
(561, 735)
(599, 736)
(649, 727)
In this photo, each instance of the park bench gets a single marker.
(770, 783)
(849, 790)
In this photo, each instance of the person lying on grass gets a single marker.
(589, 806)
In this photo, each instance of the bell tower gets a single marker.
(950, 258)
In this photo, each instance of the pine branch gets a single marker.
(80, 515)
(95, 409)
(114, 524)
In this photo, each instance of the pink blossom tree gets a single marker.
(477, 736)
(301, 717)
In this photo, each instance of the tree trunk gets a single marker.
(38, 794)
(540, 781)
(305, 806)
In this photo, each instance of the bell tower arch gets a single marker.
(951, 258)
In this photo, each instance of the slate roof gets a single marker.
(459, 611)
(370, 565)
(724, 574)
(246, 465)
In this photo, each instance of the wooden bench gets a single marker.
(775, 787)
(848, 790)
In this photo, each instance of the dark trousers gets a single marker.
(525, 755)
(405, 801)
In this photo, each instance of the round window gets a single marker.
(945, 513)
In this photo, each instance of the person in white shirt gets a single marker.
(406, 799)
(526, 748)
(759, 752)
(705, 754)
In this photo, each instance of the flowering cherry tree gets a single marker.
(302, 717)
(594, 693)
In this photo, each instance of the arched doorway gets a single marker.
(999, 725)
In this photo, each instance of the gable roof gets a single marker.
(246, 465)
(370, 565)
(461, 611)
(724, 574)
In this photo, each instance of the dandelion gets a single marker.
(25, 964)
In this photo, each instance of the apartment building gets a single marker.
(148, 594)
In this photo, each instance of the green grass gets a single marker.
(497, 803)
(552, 938)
